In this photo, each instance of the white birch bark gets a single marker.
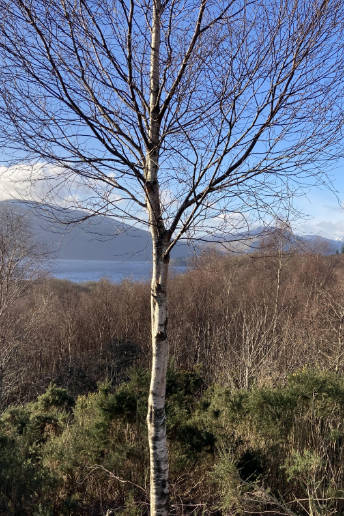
(156, 420)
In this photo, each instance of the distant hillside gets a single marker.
(103, 238)
(97, 238)
(251, 241)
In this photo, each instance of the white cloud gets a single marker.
(39, 182)
(325, 228)
(44, 183)
(14, 183)
(56, 186)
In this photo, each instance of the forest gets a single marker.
(255, 390)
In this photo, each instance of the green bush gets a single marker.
(288, 438)
(231, 451)
(24, 481)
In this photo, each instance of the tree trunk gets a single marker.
(156, 419)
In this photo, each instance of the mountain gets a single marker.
(103, 238)
(323, 245)
(273, 237)
(96, 238)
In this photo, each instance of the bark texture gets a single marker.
(156, 419)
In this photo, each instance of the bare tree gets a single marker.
(183, 115)
(19, 263)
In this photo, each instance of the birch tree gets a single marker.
(184, 115)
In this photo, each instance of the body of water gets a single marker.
(93, 270)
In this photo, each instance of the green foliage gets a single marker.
(228, 485)
(289, 436)
(54, 397)
(300, 466)
(232, 451)
(105, 448)
(23, 479)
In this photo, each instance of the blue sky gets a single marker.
(323, 209)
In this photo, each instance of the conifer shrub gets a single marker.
(26, 485)
(275, 449)
(287, 440)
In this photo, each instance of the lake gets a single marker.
(93, 270)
